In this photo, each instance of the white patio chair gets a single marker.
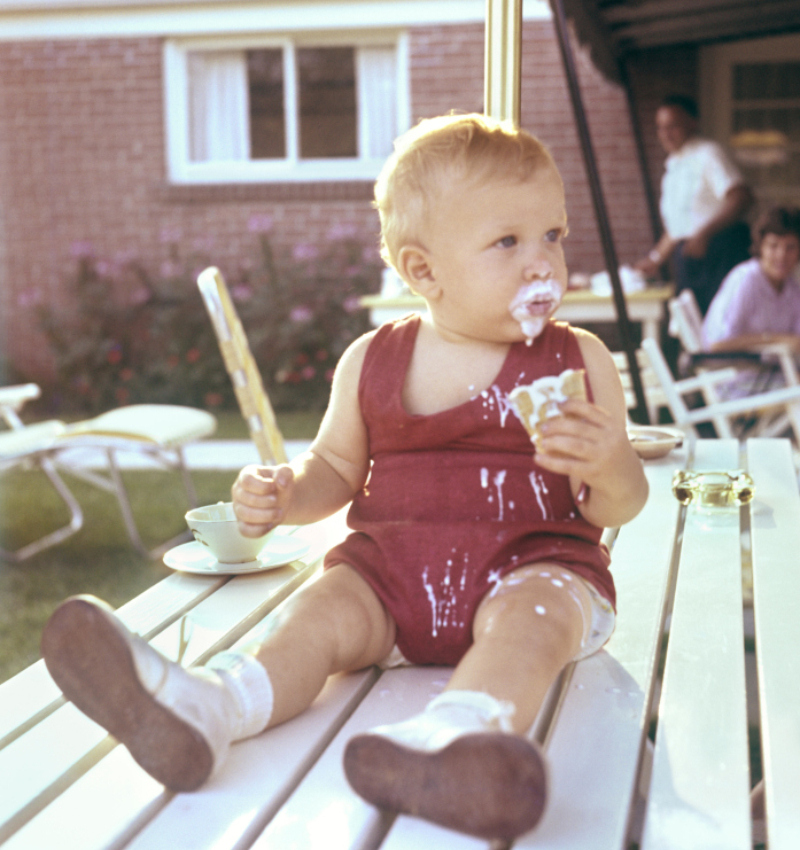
(758, 368)
(242, 368)
(653, 394)
(724, 414)
(156, 431)
(686, 324)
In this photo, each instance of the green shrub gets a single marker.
(128, 334)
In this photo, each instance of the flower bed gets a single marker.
(129, 334)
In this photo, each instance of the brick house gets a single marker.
(133, 126)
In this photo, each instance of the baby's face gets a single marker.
(496, 251)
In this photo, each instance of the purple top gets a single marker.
(747, 303)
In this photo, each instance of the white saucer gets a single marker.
(194, 557)
(654, 441)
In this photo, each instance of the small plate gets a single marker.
(654, 441)
(193, 557)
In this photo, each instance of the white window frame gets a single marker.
(181, 169)
(716, 93)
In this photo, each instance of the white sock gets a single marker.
(248, 681)
(472, 710)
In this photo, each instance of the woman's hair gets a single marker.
(438, 151)
(780, 221)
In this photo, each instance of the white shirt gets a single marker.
(696, 180)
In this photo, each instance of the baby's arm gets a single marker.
(590, 444)
(323, 479)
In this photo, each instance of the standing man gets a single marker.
(703, 203)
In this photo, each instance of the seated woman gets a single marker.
(758, 303)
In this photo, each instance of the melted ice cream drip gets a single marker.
(533, 305)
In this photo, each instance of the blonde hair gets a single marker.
(438, 151)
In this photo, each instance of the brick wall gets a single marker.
(83, 162)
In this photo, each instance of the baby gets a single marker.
(469, 546)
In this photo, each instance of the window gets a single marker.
(282, 111)
(754, 98)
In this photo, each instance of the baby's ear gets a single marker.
(414, 267)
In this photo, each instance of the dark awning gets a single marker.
(614, 28)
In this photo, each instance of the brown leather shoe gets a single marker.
(175, 722)
(487, 784)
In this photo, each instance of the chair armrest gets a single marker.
(700, 357)
(15, 396)
(747, 404)
(706, 380)
(12, 400)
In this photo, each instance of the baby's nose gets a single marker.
(538, 267)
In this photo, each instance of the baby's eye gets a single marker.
(554, 235)
(507, 242)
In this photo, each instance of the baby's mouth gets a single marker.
(534, 308)
(536, 300)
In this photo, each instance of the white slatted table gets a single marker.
(64, 783)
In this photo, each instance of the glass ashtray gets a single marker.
(713, 489)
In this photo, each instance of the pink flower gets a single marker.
(140, 295)
(260, 223)
(305, 251)
(193, 355)
(81, 250)
(29, 297)
(301, 314)
(114, 356)
(122, 258)
(352, 304)
(241, 292)
(204, 243)
(308, 373)
(169, 235)
(370, 254)
(341, 231)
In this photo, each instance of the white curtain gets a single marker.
(377, 100)
(218, 107)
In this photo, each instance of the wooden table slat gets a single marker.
(699, 792)
(605, 715)
(775, 529)
(28, 697)
(342, 820)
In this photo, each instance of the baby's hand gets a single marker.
(584, 443)
(261, 498)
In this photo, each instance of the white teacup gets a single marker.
(215, 526)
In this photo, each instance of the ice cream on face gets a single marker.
(533, 305)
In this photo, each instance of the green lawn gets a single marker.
(99, 559)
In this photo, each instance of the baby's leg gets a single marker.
(178, 723)
(526, 630)
(456, 763)
(335, 623)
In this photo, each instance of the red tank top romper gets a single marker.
(454, 500)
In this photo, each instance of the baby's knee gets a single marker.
(539, 581)
(543, 597)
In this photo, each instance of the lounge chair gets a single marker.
(156, 431)
(242, 368)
